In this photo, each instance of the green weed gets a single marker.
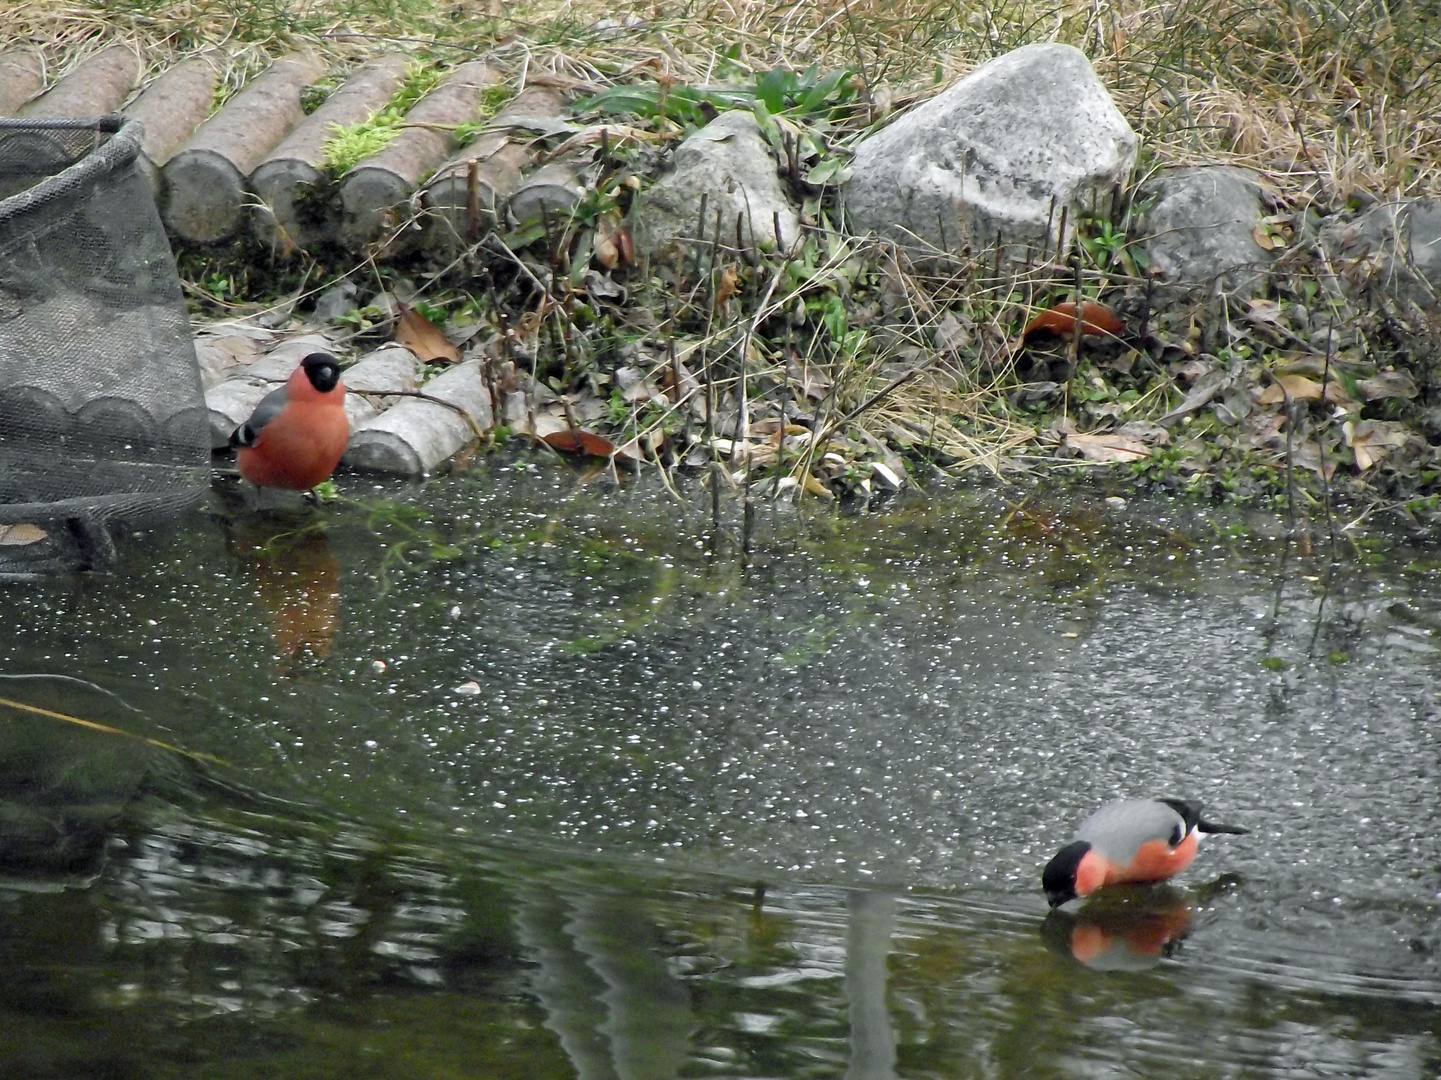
(354, 143)
(804, 95)
(492, 100)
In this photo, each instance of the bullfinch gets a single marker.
(1128, 840)
(296, 435)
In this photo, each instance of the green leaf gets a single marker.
(435, 314)
(769, 129)
(836, 318)
(824, 90)
(525, 235)
(633, 98)
(771, 87)
(828, 170)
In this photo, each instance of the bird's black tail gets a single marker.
(1215, 827)
(1191, 814)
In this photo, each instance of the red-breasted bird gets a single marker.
(296, 435)
(1128, 840)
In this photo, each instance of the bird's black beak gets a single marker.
(1056, 899)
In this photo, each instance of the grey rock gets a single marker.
(727, 163)
(272, 318)
(1001, 151)
(1199, 229)
(336, 301)
(1393, 248)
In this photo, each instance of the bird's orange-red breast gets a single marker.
(1128, 840)
(296, 435)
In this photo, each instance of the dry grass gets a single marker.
(1326, 98)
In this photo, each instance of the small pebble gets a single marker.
(471, 687)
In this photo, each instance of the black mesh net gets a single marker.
(101, 410)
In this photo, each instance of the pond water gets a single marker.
(518, 774)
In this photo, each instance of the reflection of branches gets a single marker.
(1268, 636)
(1321, 442)
(1325, 497)
(104, 729)
(1325, 592)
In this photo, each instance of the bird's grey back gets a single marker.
(267, 410)
(1117, 829)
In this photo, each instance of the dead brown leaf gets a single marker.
(606, 251)
(613, 244)
(727, 287)
(581, 441)
(1372, 441)
(1202, 391)
(952, 335)
(1301, 388)
(1149, 433)
(771, 428)
(1264, 429)
(1303, 363)
(1108, 448)
(634, 385)
(1263, 312)
(1297, 387)
(1265, 239)
(1190, 371)
(424, 338)
(1307, 455)
(21, 535)
(812, 486)
(1122, 363)
(1061, 427)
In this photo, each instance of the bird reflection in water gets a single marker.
(1122, 927)
(296, 579)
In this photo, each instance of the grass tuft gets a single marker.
(352, 143)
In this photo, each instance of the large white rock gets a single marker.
(990, 154)
(729, 164)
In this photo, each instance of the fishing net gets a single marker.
(102, 415)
